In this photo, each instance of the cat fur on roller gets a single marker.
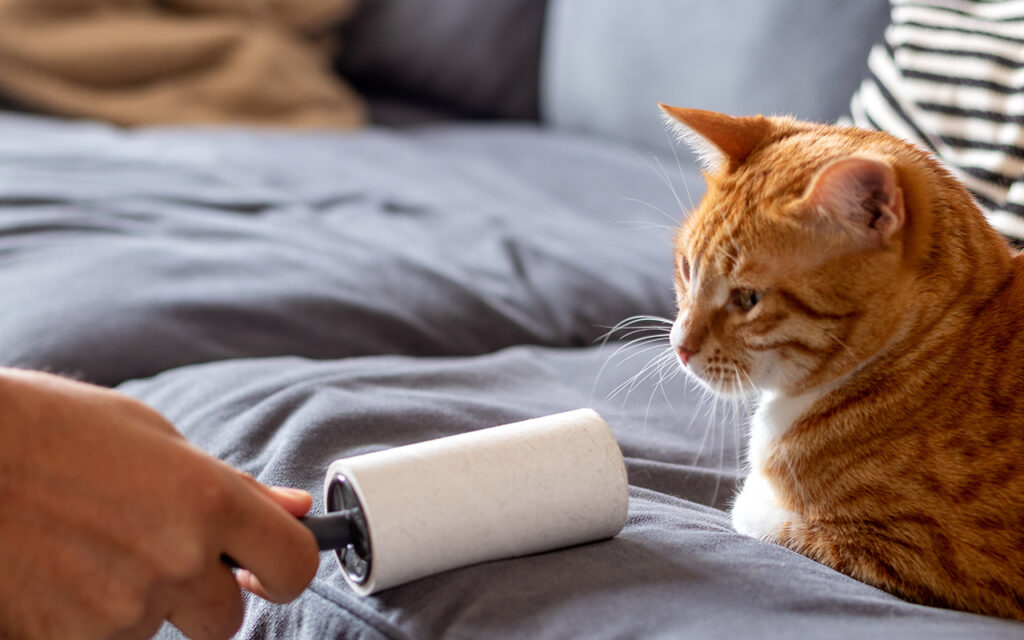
(850, 281)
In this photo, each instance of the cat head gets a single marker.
(802, 260)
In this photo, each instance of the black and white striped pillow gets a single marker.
(950, 78)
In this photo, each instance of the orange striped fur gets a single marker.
(848, 278)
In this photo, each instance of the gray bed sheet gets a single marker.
(286, 299)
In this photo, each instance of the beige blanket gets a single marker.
(137, 62)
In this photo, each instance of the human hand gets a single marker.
(111, 522)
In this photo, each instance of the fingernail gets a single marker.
(298, 493)
(247, 580)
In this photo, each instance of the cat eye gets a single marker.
(746, 299)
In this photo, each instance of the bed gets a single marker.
(288, 298)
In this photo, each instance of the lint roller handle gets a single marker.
(335, 531)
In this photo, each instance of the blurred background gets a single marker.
(595, 66)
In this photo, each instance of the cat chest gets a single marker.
(775, 417)
(773, 455)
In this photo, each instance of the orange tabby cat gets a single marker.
(850, 280)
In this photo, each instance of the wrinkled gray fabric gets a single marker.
(676, 571)
(125, 254)
(288, 299)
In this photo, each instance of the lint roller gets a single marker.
(408, 512)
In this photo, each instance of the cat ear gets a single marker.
(860, 194)
(720, 141)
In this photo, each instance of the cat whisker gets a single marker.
(796, 481)
(630, 322)
(738, 412)
(673, 220)
(648, 371)
(633, 352)
(663, 368)
(732, 256)
(628, 382)
(639, 377)
(663, 175)
(748, 399)
(644, 333)
(707, 404)
(720, 442)
(643, 225)
(654, 368)
(668, 182)
(679, 165)
(673, 371)
(640, 318)
(639, 339)
(659, 384)
(840, 342)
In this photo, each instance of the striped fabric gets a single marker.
(950, 78)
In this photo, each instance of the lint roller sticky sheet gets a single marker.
(507, 491)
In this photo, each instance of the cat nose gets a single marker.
(685, 354)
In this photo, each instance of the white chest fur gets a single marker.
(757, 511)
(776, 414)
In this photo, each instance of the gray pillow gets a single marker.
(606, 63)
(467, 57)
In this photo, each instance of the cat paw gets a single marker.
(757, 512)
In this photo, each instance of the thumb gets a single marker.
(295, 501)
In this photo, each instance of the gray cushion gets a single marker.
(607, 64)
(470, 57)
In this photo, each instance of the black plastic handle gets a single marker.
(332, 531)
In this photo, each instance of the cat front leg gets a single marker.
(757, 512)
